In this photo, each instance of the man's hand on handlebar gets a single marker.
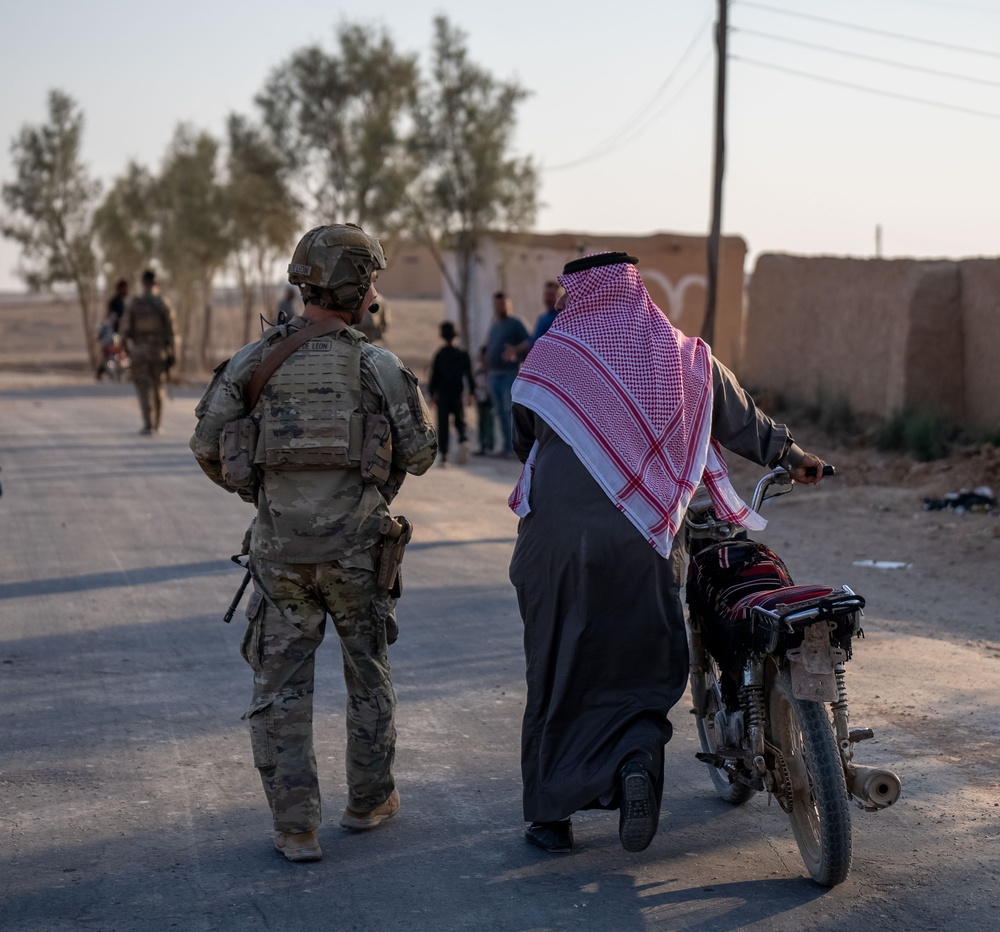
(810, 470)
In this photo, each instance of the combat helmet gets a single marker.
(333, 265)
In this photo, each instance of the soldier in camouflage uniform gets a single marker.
(314, 544)
(148, 328)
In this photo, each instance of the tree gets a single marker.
(50, 208)
(193, 243)
(263, 214)
(125, 224)
(470, 183)
(337, 118)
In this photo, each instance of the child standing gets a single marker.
(451, 372)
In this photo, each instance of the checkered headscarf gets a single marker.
(632, 396)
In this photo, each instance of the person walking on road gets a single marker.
(319, 428)
(617, 417)
(506, 344)
(149, 329)
(110, 325)
(451, 378)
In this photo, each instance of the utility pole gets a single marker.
(712, 285)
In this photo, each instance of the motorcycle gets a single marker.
(115, 358)
(769, 689)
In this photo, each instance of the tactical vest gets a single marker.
(311, 409)
(149, 320)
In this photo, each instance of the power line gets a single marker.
(614, 144)
(669, 102)
(871, 29)
(950, 5)
(628, 124)
(864, 57)
(866, 88)
(614, 140)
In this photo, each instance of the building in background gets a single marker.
(673, 267)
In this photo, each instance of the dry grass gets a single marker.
(45, 337)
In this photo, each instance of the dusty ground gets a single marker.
(41, 343)
(126, 795)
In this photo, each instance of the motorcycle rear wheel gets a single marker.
(730, 791)
(820, 816)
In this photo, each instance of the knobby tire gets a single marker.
(820, 816)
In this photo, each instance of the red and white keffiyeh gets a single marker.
(632, 396)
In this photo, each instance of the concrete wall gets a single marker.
(884, 334)
(673, 268)
(410, 272)
(981, 318)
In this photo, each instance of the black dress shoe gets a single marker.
(554, 837)
(639, 814)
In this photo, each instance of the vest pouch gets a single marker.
(334, 443)
(376, 452)
(237, 450)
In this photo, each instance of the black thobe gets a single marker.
(604, 636)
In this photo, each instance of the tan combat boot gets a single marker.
(363, 821)
(298, 846)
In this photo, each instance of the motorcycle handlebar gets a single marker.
(778, 476)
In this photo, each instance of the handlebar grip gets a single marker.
(828, 470)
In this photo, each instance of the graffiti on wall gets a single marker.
(674, 305)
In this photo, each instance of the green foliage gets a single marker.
(470, 183)
(925, 436)
(337, 119)
(193, 244)
(50, 204)
(125, 224)
(833, 414)
(263, 215)
(350, 135)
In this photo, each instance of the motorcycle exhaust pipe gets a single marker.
(873, 786)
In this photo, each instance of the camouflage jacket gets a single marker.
(150, 326)
(319, 515)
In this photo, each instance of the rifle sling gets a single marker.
(269, 365)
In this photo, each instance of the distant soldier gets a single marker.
(319, 428)
(149, 327)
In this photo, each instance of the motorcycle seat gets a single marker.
(787, 598)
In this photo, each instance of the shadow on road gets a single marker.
(57, 585)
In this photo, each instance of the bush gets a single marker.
(925, 436)
(832, 413)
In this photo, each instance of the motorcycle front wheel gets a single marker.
(820, 813)
(707, 684)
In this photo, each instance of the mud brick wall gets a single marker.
(981, 318)
(884, 334)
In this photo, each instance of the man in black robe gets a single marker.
(598, 577)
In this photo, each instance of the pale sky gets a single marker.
(812, 167)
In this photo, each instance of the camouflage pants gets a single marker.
(284, 631)
(148, 377)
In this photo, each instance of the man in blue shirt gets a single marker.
(506, 345)
(549, 295)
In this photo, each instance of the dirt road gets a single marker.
(127, 796)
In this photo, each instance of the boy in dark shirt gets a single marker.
(451, 374)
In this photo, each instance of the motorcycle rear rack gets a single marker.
(840, 602)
